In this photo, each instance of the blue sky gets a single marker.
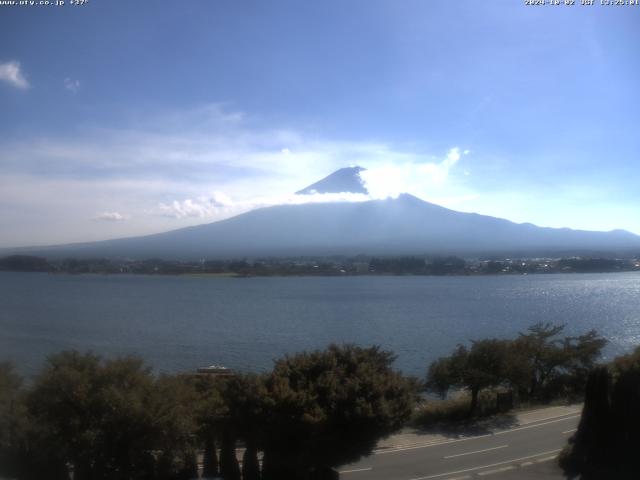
(120, 118)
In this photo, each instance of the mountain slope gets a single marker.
(405, 225)
(345, 180)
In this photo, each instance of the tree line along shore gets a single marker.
(93, 418)
(325, 266)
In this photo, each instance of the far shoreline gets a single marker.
(336, 266)
(302, 275)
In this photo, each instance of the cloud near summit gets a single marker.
(421, 178)
(382, 180)
(165, 166)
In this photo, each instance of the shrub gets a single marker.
(453, 409)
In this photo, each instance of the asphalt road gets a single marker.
(523, 450)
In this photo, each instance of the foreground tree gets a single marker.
(543, 353)
(96, 414)
(330, 407)
(210, 410)
(111, 419)
(547, 359)
(538, 364)
(606, 442)
(245, 398)
(175, 423)
(482, 366)
(13, 422)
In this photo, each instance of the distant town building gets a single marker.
(215, 371)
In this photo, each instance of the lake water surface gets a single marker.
(179, 323)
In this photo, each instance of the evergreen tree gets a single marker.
(330, 407)
(250, 464)
(229, 467)
(210, 458)
(606, 442)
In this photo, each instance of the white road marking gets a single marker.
(486, 466)
(546, 459)
(447, 442)
(477, 451)
(536, 425)
(466, 477)
(497, 470)
(526, 464)
(433, 444)
(402, 446)
(572, 409)
(569, 431)
(356, 470)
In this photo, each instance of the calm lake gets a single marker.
(179, 323)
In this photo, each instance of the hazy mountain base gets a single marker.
(402, 226)
(321, 266)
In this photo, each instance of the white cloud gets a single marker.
(208, 208)
(71, 85)
(413, 175)
(11, 73)
(212, 205)
(452, 157)
(111, 217)
(409, 174)
(219, 199)
(186, 208)
(293, 199)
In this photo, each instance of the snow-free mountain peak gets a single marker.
(345, 180)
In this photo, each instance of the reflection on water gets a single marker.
(180, 323)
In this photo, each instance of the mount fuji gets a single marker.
(405, 225)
